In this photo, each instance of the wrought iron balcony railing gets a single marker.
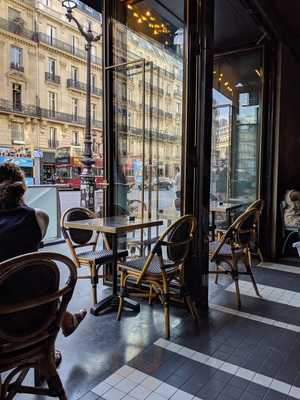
(16, 67)
(63, 46)
(38, 112)
(71, 83)
(49, 77)
(17, 28)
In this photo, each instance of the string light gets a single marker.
(136, 15)
(140, 20)
(148, 13)
(144, 18)
(129, 6)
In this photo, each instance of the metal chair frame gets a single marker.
(240, 251)
(159, 283)
(36, 348)
(257, 205)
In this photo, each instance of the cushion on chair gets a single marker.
(101, 256)
(154, 267)
(225, 249)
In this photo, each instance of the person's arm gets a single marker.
(294, 195)
(42, 220)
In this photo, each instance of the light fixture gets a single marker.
(166, 43)
(148, 13)
(69, 4)
(162, 25)
(226, 83)
(129, 6)
(152, 18)
(144, 18)
(140, 20)
(257, 71)
(155, 32)
(136, 15)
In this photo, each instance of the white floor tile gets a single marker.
(295, 392)
(262, 380)
(181, 395)
(101, 388)
(151, 383)
(113, 394)
(137, 376)
(140, 393)
(125, 385)
(280, 386)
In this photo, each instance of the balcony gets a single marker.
(16, 67)
(72, 84)
(52, 78)
(38, 112)
(66, 47)
(168, 115)
(53, 144)
(17, 28)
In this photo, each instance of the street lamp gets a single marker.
(87, 177)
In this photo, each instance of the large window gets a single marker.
(52, 102)
(236, 132)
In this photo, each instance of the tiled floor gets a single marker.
(250, 354)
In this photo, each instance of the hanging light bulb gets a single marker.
(129, 6)
(140, 20)
(136, 15)
(148, 13)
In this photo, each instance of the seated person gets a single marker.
(22, 229)
(292, 210)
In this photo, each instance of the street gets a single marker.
(166, 198)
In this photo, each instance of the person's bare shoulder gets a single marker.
(42, 220)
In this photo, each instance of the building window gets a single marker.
(76, 141)
(94, 81)
(75, 44)
(52, 67)
(16, 57)
(46, 3)
(17, 133)
(75, 109)
(52, 100)
(17, 96)
(94, 112)
(51, 32)
(53, 142)
(178, 108)
(74, 74)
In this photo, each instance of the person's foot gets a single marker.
(75, 320)
(57, 358)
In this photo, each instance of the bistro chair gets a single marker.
(258, 206)
(32, 304)
(235, 247)
(158, 272)
(83, 246)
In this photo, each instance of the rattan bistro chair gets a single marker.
(32, 304)
(158, 272)
(83, 246)
(235, 247)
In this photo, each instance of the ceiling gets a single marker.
(234, 25)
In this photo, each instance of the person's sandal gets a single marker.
(77, 318)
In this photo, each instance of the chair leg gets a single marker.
(150, 295)
(235, 277)
(248, 264)
(94, 282)
(260, 255)
(167, 316)
(217, 275)
(54, 383)
(122, 294)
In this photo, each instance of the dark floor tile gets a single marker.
(272, 395)
(258, 390)
(233, 392)
(177, 380)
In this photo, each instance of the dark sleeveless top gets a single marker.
(19, 232)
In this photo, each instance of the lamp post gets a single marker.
(87, 177)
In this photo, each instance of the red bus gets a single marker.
(68, 167)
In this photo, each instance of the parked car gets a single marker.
(159, 183)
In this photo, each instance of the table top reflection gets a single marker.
(216, 206)
(113, 225)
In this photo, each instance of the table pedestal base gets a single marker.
(111, 303)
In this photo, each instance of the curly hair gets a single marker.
(12, 185)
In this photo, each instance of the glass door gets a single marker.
(147, 85)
